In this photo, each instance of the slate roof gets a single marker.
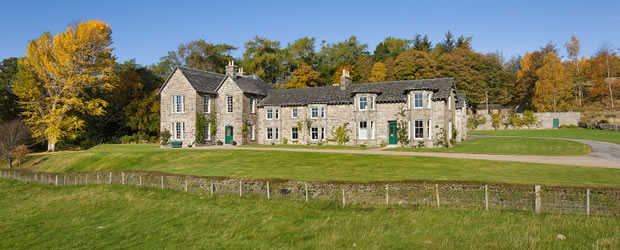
(203, 81)
(252, 84)
(386, 92)
(461, 98)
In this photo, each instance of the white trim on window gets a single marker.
(269, 134)
(418, 100)
(418, 129)
(314, 133)
(430, 129)
(277, 114)
(449, 102)
(178, 132)
(314, 112)
(253, 104)
(362, 130)
(409, 130)
(294, 113)
(363, 103)
(322, 133)
(294, 133)
(253, 133)
(430, 101)
(372, 130)
(229, 104)
(371, 102)
(207, 104)
(269, 114)
(277, 133)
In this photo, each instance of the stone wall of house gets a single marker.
(545, 119)
(178, 85)
(234, 118)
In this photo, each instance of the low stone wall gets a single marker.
(545, 120)
(476, 195)
(601, 126)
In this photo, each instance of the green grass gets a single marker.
(316, 166)
(516, 146)
(576, 133)
(36, 216)
(307, 146)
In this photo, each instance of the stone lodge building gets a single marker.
(246, 110)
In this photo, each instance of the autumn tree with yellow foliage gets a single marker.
(58, 76)
(378, 73)
(304, 77)
(552, 91)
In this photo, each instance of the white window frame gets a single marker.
(322, 133)
(178, 104)
(269, 114)
(269, 134)
(409, 130)
(312, 113)
(360, 129)
(179, 130)
(294, 133)
(323, 112)
(253, 104)
(430, 101)
(253, 132)
(207, 104)
(277, 114)
(415, 101)
(371, 102)
(277, 134)
(372, 130)
(415, 129)
(207, 130)
(294, 113)
(229, 104)
(363, 100)
(430, 128)
(449, 102)
(314, 131)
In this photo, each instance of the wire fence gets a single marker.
(476, 195)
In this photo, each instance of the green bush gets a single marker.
(164, 137)
(127, 139)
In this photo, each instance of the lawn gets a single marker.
(307, 146)
(516, 146)
(315, 166)
(37, 216)
(576, 133)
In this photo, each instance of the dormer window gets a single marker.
(371, 101)
(363, 102)
(294, 113)
(314, 113)
(418, 101)
(269, 114)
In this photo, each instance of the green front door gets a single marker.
(556, 122)
(229, 134)
(392, 132)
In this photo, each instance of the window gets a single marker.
(363, 102)
(207, 129)
(269, 114)
(277, 134)
(363, 130)
(252, 133)
(371, 101)
(322, 134)
(294, 133)
(253, 104)
(315, 112)
(229, 104)
(277, 114)
(418, 102)
(269, 133)
(418, 129)
(372, 130)
(429, 126)
(207, 105)
(322, 112)
(294, 113)
(178, 104)
(178, 130)
(315, 134)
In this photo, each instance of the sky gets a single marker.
(147, 30)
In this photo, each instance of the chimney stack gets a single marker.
(231, 69)
(345, 79)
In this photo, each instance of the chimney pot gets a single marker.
(345, 79)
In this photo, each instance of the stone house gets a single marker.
(243, 109)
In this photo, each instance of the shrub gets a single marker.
(383, 144)
(200, 128)
(530, 119)
(475, 120)
(496, 120)
(284, 140)
(19, 153)
(164, 137)
(340, 134)
(127, 139)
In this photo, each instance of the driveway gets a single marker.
(586, 161)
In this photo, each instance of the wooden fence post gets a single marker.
(122, 178)
(64, 180)
(162, 182)
(110, 177)
(212, 188)
(588, 201)
(437, 194)
(98, 182)
(56, 184)
(343, 199)
(486, 197)
(140, 180)
(268, 192)
(186, 185)
(387, 194)
(86, 179)
(240, 188)
(75, 180)
(537, 205)
(306, 189)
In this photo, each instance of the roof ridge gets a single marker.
(201, 70)
(400, 81)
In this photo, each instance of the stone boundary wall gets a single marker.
(545, 119)
(471, 195)
(601, 126)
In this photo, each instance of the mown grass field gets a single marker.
(315, 166)
(37, 216)
(516, 146)
(576, 133)
(307, 146)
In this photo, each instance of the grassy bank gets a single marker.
(35, 216)
(576, 133)
(315, 166)
(307, 146)
(516, 146)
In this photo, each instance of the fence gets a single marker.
(552, 199)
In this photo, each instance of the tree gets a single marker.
(402, 130)
(391, 47)
(304, 77)
(338, 73)
(497, 119)
(338, 54)
(301, 51)
(413, 65)
(527, 76)
(19, 153)
(552, 91)
(58, 75)
(422, 43)
(378, 72)
(447, 45)
(8, 101)
(13, 134)
(466, 67)
(264, 58)
(142, 116)
(199, 54)
(572, 48)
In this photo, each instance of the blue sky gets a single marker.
(146, 30)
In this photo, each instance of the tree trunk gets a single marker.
(10, 162)
(51, 147)
(611, 94)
